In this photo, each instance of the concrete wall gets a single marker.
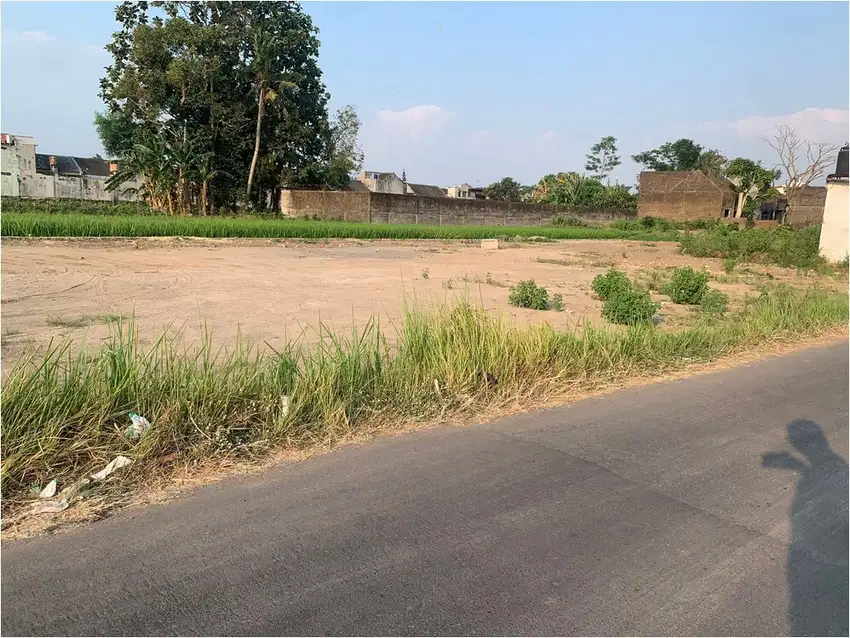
(387, 208)
(390, 183)
(683, 195)
(808, 208)
(836, 219)
(10, 175)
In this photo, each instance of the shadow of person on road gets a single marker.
(817, 554)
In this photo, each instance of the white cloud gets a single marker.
(820, 124)
(33, 37)
(415, 122)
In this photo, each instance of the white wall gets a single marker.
(836, 220)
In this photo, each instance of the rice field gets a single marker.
(82, 225)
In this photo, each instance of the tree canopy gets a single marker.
(573, 189)
(234, 88)
(602, 158)
(681, 155)
(506, 190)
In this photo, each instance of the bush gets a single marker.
(783, 245)
(527, 294)
(630, 307)
(687, 286)
(569, 220)
(607, 285)
(714, 302)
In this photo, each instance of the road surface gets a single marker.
(715, 505)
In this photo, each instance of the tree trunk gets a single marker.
(261, 109)
(204, 198)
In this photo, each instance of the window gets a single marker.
(726, 212)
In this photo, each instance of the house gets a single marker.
(808, 206)
(834, 231)
(425, 190)
(684, 195)
(382, 182)
(465, 191)
(28, 174)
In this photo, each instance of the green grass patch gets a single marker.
(64, 408)
(76, 225)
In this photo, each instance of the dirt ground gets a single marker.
(274, 291)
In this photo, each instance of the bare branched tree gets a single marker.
(802, 161)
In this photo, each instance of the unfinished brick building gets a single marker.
(683, 195)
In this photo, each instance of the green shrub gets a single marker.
(558, 303)
(714, 301)
(630, 307)
(729, 265)
(569, 220)
(607, 285)
(687, 286)
(527, 294)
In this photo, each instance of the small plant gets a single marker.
(488, 278)
(569, 220)
(527, 294)
(558, 303)
(714, 302)
(448, 284)
(729, 265)
(424, 273)
(630, 307)
(687, 286)
(607, 285)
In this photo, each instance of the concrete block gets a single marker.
(490, 244)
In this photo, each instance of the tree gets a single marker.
(802, 161)
(681, 155)
(602, 158)
(239, 81)
(345, 155)
(572, 189)
(751, 179)
(712, 162)
(507, 190)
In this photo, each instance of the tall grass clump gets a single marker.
(687, 286)
(74, 225)
(782, 245)
(74, 207)
(64, 409)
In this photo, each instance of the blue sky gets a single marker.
(474, 91)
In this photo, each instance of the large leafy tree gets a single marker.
(507, 190)
(713, 162)
(573, 189)
(239, 84)
(603, 158)
(681, 155)
(752, 180)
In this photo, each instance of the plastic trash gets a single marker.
(49, 507)
(137, 428)
(117, 463)
(71, 491)
(49, 490)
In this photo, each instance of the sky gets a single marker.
(454, 92)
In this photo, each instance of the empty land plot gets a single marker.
(276, 291)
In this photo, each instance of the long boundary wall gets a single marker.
(386, 208)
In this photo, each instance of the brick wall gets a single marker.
(683, 195)
(387, 208)
(807, 209)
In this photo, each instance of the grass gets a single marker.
(64, 408)
(82, 321)
(83, 225)
(782, 246)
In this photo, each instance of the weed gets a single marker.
(488, 278)
(714, 302)
(448, 284)
(729, 265)
(569, 220)
(629, 307)
(110, 318)
(61, 407)
(558, 262)
(78, 322)
(11, 332)
(655, 280)
(527, 294)
(687, 286)
(607, 285)
(424, 273)
(558, 302)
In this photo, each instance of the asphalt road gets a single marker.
(715, 505)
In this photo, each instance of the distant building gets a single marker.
(382, 182)
(28, 174)
(465, 191)
(425, 190)
(684, 195)
(807, 209)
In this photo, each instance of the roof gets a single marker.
(720, 182)
(93, 166)
(356, 185)
(380, 174)
(426, 190)
(65, 164)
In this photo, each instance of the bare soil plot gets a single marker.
(274, 291)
